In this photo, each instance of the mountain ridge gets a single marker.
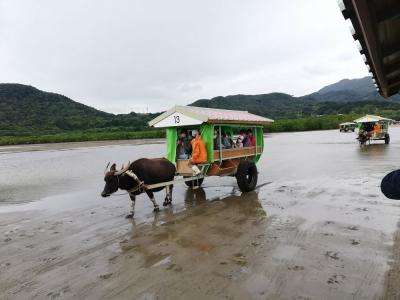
(26, 110)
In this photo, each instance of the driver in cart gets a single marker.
(377, 128)
(199, 152)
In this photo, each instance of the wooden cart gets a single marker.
(373, 128)
(221, 161)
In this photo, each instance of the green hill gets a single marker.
(283, 106)
(343, 97)
(27, 110)
(31, 115)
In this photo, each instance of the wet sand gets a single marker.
(74, 145)
(392, 281)
(317, 227)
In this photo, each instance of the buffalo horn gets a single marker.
(123, 169)
(105, 170)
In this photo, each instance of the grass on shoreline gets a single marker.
(280, 125)
(310, 123)
(80, 137)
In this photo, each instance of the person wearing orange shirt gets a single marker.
(199, 152)
(377, 127)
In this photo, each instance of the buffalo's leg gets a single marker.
(151, 196)
(168, 196)
(133, 200)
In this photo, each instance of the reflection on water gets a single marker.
(194, 197)
(37, 175)
(31, 176)
(321, 154)
(373, 150)
(202, 222)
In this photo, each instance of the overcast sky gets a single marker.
(130, 55)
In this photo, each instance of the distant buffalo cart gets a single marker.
(347, 127)
(373, 128)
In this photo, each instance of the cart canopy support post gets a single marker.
(207, 134)
(172, 137)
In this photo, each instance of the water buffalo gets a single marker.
(136, 175)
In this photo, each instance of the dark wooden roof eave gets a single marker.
(377, 28)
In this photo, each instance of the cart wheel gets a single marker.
(194, 183)
(246, 176)
(387, 138)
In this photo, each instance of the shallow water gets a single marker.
(70, 175)
(316, 227)
(38, 173)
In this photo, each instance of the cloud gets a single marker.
(130, 54)
(190, 87)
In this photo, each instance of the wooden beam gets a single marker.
(393, 80)
(391, 68)
(389, 14)
(368, 26)
(356, 36)
(393, 89)
(390, 50)
(348, 12)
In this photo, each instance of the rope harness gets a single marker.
(140, 187)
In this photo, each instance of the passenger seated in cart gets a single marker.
(199, 152)
(243, 140)
(226, 141)
(181, 153)
(239, 140)
(377, 128)
(184, 147)
(251, 138)
(216, 140)
(368, 127)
